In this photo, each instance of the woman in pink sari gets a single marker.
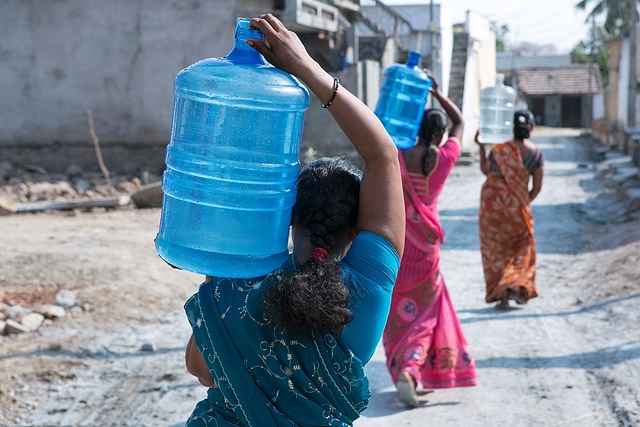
(423, 340)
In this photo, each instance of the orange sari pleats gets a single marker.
(506, 229)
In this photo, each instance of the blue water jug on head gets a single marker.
(403, 96)
(231, 164)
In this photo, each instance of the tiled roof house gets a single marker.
(560, 96)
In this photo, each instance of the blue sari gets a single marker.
(268, 377)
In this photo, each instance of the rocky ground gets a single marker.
(115, 357)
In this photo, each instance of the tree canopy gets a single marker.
(618, 13)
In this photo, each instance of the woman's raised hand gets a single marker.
(283, 49)
(434, 80)
(476, 139)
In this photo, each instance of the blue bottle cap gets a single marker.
(244, 30)
(414, 59)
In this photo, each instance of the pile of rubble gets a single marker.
(619, 200)
(31, 188)
(15, 318)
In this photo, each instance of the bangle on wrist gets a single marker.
(336, 84)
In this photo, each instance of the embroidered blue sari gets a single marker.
(268, 377)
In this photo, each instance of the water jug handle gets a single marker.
(242, 53)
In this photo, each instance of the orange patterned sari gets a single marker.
(506, 229)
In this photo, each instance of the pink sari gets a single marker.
(423, 335)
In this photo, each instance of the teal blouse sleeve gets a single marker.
(369, 270)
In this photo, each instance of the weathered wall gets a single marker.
(59, 58)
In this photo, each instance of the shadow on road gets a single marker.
(385, 400)
(491, 313)
(555, 230)
(591, 360)
(106, 355)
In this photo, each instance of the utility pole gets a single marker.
(592, 55)
(633, 81)
(432, 26)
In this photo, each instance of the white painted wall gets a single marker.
(598, 106)
(480, 71)
(623, 83)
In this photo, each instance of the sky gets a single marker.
(541, 22)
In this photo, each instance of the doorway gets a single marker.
(571, 111)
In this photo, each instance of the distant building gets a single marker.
(561, 96)
(509, 64)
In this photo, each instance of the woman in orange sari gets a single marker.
(423, 340)
(505, 220)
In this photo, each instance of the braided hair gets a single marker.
(434, 122)
(314, 297)
(523, 122)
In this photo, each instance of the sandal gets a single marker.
(406, 386)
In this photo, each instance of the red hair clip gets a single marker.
(320, 254)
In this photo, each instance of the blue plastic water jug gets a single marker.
(231, 164)
(403, 96)
(497, 105)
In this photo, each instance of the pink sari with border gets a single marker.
(423, 335)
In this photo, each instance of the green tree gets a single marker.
(501, 33)
(584, 52)
(618, 14)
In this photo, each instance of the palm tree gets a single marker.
(618, 13)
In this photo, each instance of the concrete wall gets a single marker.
(480, 72)
(59, 58)
(507, 63)
(598, 107)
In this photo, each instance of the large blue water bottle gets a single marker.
(403, 96)
(232, 163)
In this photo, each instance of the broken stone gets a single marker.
(65, 298)
(82, 185)
(32, 321)
(15, 312)
(7, 206)
(149, 196)
(76, 311)
(632, 196)
(14, 327)
(148, 347)
(74, 171)
(51, 311)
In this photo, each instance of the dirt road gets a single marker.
(570, 357)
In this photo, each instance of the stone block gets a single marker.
(32, 321)
(632, 199)
(13, 327)
(51, 311)
(149, 196)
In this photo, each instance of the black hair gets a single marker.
(434, 122)
(523, 121)
(315, 297)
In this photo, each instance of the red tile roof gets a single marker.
(569, 80)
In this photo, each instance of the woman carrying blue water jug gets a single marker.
(289, 348)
